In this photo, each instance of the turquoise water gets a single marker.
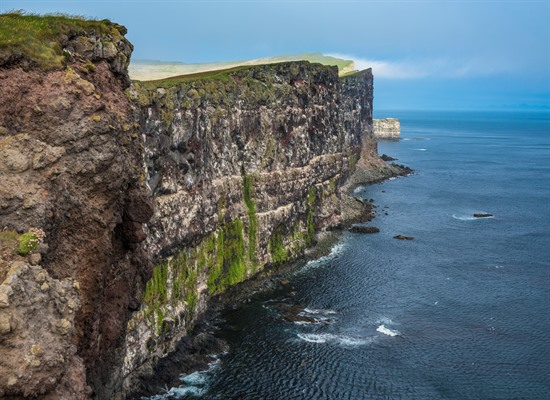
(460, 312)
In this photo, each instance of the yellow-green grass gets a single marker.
(143, 70)
(36, 38)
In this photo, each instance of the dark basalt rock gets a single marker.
(385, 157)
(364, 229)
(402, 237)
(482, 215)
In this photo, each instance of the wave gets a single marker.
(387, 331)
(197, 378)
(464, 217)
(314, 320)
(319, 311)
(385, 320)
(334, 252)
(195, 384)
(342, 340)
(312, 316)
(468, 217)
(178, 393)
(421, 149)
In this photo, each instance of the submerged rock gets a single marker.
(385, 157)
(364, 229)
(482, 215)
(403, 237)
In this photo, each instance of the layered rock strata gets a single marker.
(157, 196)
(387, 128)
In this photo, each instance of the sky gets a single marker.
(445, 54)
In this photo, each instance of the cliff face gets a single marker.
(208, 178)
(244, 168)
(387, 128)
(69, 165)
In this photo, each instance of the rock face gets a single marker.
(155, 197)
(37, 315)
(243, 171)
(70, 162)
(387, 128)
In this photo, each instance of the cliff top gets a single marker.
(287, 67)
(263, 72)
(39, 40)
(148, 70)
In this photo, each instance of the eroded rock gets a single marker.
(34, 356)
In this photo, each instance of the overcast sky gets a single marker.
(424, 54)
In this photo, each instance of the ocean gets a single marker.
(462, 311)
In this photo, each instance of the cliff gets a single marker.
(152, 198)
(387, 128)
(69, 165)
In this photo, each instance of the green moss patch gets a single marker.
(279, 253)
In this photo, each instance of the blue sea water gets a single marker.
(460, 312)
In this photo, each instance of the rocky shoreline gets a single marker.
(198, 349)
(149, 199)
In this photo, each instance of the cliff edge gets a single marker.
(69, 167)
(139, 201)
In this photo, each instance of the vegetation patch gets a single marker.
(248, 197)
(279, 253)
(29, 241)
(230, 262)
(37, 38)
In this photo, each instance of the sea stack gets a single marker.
(387, 128)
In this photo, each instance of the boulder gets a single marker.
(403, 237)
(364, 229)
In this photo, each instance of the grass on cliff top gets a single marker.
(222, 74)
(148, 70)
(36, 38)
(356, 74)
(217, 75)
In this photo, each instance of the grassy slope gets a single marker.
(155, 70)
(36, 38)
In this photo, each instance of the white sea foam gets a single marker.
(304, 322)
(385, 320)
(197, 378)
(313, 338)
(421, 149)
(195, 384)
(319, 311)
(470, 217)
(387, 331)
(334, 252)
(178, 393)
(342, 340)
(464, 217)
(181, 391)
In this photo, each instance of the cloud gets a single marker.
(417, 69)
